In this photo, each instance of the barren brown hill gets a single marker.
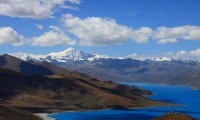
(74, 91)
(7, 113)
(174, 117)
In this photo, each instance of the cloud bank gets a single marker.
(103, 31)
(95, 31)
(180, 55)
(106, 31)
(53, 37)
(36, 9)
(185, 55)
(9, 36)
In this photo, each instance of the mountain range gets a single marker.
(72, 54)
(154, 70)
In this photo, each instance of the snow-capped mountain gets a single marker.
(160, 59)
(70, 54)
(27, 56)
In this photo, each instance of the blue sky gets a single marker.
(113, 27)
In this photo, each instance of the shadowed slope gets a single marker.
(74, 91)
(7, 113)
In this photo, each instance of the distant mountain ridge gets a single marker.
(73, 55)
(151, 70)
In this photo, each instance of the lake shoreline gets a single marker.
(160, 104)
(176, 95)
(44, 116)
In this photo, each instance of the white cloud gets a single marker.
(103, 31)
(36, 9)
(39, 27)
(194, 33)
(71, 7)
(142, 35)
(54, 37)
(167, 40)
(9, 36)
(184, 55)
(137, 57)
(195, 53)
(96, 31)
(99, 31)
(106, 31)
(180, 55)
(74, 1)
(166, 35)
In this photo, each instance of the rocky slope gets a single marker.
(8, 113)
(74, 91)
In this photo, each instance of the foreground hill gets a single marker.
(7, 113)
(74, 91)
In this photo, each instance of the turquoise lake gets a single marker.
(189, 98)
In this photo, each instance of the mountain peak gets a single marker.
(64, 52)
(69, 54)
(68, 50)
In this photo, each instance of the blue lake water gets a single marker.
(174, 94)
